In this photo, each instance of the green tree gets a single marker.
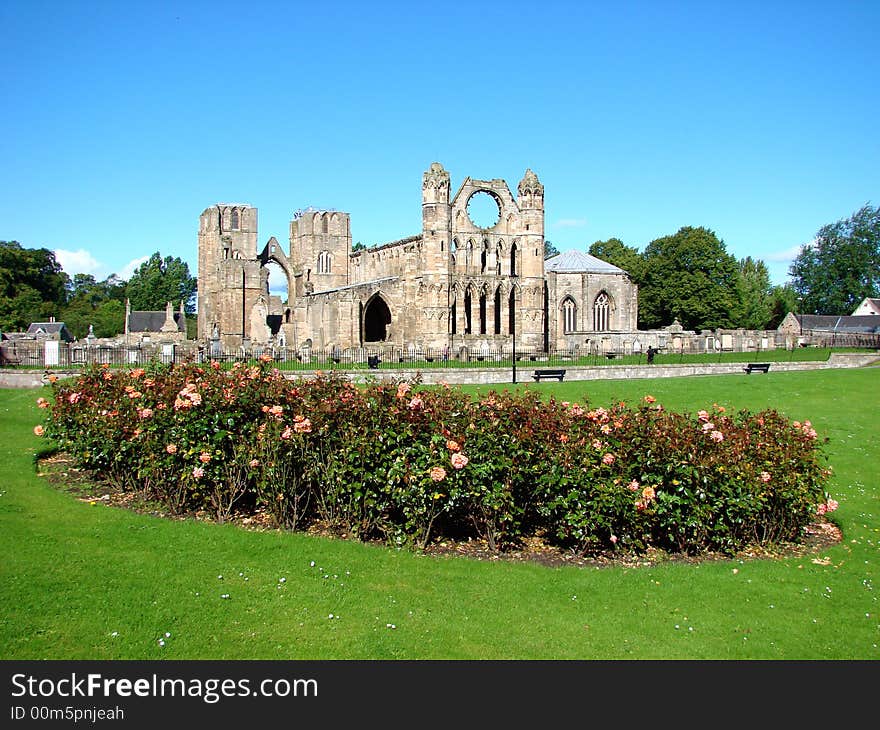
(688, 276)
(84, 286)
(616, 252)
(550, 250)
(33, 285)
(841, 267)
(783, 299)
(158, 281)
(97, 303)
(754, 311)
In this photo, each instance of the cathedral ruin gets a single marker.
(457, 285)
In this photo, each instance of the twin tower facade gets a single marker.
(459, 283)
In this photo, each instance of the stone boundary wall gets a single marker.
(10, 378)
(501, 376)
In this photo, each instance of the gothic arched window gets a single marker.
(235, 219)
(325, 262)
(569, 315)
(601, 313)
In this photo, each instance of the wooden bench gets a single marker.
(756, 367)
(547, 374)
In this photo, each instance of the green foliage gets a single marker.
(688, 276)
(783, 299)
(755, 299)
(841, 267)
(160, 280)
(32, 285)
(403, 465)
(616, 252)
(550, 250)
(100, 304)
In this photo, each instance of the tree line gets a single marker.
(690, 276)
(34, 287)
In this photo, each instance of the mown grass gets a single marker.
(82, 581)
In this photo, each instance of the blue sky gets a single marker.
(124, 120)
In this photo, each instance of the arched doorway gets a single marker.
(377, 317)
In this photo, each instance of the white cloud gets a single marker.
(788, 254)
(570, 223)
(78, 262)
(131, 267)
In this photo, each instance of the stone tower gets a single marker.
(320, 248)
(531, 249)
(231, 278)
(433, 292)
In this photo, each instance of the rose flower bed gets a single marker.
(408, 465)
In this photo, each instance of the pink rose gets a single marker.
(459, 460)
(39, 430)
(438, 473)
(198, 472)
(716, 436)
(171, 448)
(608, 459)
(204, 457)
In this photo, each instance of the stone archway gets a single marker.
(376, 319)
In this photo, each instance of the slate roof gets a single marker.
(839, 323)
(152, 321)
(50, 328)
(579, 261)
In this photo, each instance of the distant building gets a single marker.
(154, 326)
(830, 330)
(50, 330)
(868, 306)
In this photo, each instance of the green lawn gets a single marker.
(81, 581)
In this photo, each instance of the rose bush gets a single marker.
(406, 464)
